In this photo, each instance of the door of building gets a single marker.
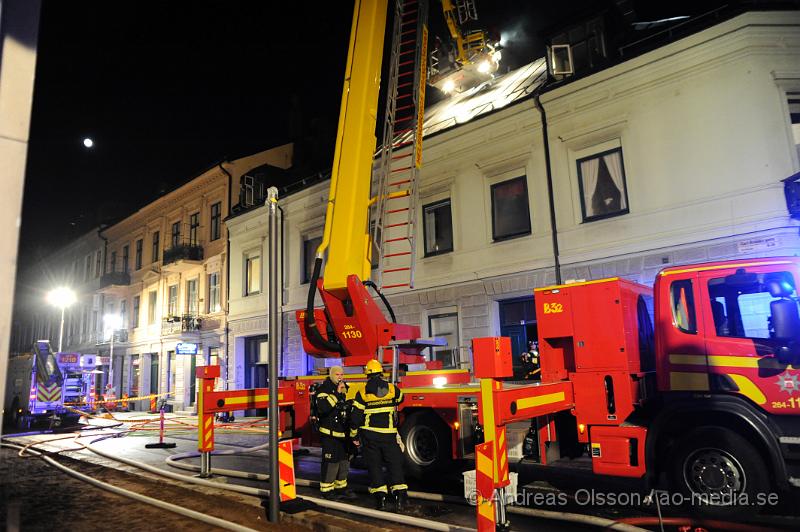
(193, 381)
(134, 382)
(518, 322)
(154, 375)
(256, 369)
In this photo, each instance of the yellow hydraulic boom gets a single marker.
(346, 235)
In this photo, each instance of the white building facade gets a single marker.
(673, 157)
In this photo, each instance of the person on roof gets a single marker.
(374, 419)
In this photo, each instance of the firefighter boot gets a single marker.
(401, 500)
(380, 501)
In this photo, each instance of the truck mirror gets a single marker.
(789, 354)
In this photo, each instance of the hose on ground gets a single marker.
(333, 505)
(203, 518)
(528, 512)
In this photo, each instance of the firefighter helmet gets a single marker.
(373, 366)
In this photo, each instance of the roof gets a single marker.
(487, 97)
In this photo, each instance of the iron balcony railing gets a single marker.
(179, 324)
(183, 252)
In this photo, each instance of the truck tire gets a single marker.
(428, 444)
(719, 473)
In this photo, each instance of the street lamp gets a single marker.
(111, 322)
(62, 298)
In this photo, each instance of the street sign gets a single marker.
(185, 348)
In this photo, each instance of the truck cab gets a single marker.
(728, 363)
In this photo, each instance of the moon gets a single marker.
(88, 142)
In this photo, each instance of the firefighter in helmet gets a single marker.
(332, 411)
(374, 415)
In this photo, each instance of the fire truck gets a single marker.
(690, 381)
(46, 387)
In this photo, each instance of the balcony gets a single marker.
(114, 283)
(182, 257)
(120, 337)
(181, 324)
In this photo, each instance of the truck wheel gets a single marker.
(428, 444)
(719, 472)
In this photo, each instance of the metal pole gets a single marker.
(111, 361)
(61, 330)
(274, 287)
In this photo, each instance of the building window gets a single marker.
(445, 326)
(191, 297)
(152, 301)
(310, 246)
(135, 312)
(172, 370)
(98, 264)
(125, 255)
(176, 234)
(138, 259)
(194, 223)
(213, 292)
(113, 264)
(437, 223)
(252, 274)
(216, 215)
(172, 305)
(794, 117)
(601, 178)
(87, 263)
(156, 245)
(511, 216)
(123, 312)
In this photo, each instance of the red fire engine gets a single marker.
(694, 378)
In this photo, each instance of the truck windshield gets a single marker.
(749, 305)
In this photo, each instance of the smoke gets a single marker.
(514, 35)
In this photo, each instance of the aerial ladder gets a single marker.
(474, 58)
(362, 218)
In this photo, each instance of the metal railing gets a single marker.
(183, 323)
(183, 252)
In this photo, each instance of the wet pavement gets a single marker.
(25, 481)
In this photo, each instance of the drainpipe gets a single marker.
(227, 275)
(550, 200)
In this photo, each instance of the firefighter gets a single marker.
(331, 410)
(374, 415)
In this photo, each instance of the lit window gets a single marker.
(213, 292)
(191, 297)
(445, 326)
(252, 269)
(601, 178)
(437, 224)
(152, 302)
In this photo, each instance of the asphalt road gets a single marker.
(583, 493)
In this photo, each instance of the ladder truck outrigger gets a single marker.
(692, 380)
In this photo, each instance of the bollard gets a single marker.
(161, 444)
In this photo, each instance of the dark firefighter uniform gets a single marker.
(374, 415)
(333, 427)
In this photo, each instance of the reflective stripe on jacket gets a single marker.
(374, 413)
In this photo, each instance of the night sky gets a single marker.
(168, 89)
